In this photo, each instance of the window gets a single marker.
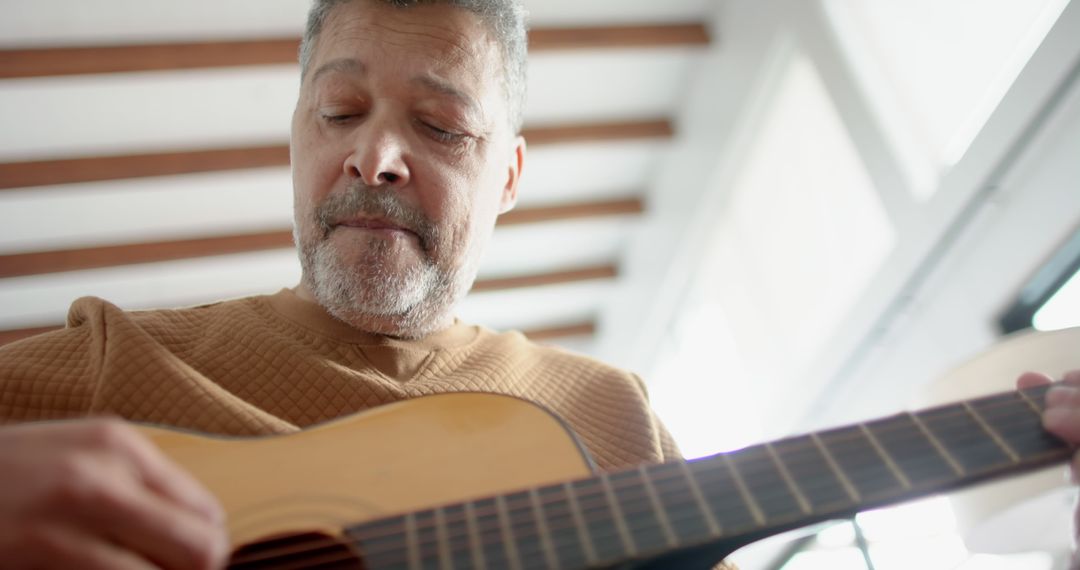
(1051, 299)
(935, 71)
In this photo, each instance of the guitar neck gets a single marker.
(730, 499)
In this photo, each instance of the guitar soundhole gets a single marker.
(308, 550)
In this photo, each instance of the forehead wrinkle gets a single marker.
(457, 41)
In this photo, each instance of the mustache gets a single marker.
(361, 199)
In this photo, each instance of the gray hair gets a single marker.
(504, 18)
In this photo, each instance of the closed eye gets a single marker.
(443, 135)
(338, 119)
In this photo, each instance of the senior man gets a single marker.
(405, 148)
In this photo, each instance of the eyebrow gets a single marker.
(444, 88)
(342, 65)
(356, 67)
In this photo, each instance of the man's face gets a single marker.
(402, 158)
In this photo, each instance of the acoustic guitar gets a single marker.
(481, 481)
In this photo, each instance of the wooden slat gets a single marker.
(48, 62)
(99, 168)
(44, 62)
(43, 262)
(10, 336)
(538, 335)
(36, 173)
(627, 130)
(543, 279)
(567, 331)
(38, 263)
(632, 36)
(539, 214)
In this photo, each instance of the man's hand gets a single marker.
(1062, 418)
(1062, 415)
(96, 494)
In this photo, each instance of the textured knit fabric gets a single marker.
(275, 364)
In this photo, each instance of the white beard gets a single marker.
(366, 294)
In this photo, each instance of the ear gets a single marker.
(516, 163)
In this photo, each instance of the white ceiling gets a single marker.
(70, 22)
(129, 113)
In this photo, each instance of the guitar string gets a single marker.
(574, 549)
(1003, 403)
(1006, 403)
(953, 413)
(528, 537)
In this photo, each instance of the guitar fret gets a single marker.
(427, 533)
(940, 447)
(886, 457)
(965, 438)
(492, 542)
(910, 450)
(699, 498)
(993, 434)
(654, 498)
(412, 540)
(600, 520)
(524, 529)
(620, 521)
(852, 492)
(459, 553)
(1011, 418)
(751, 504)
(804, 504)
(719, 489)
(545, 534)
(508, 536)
(382, 539)
(642, 519)
(765, 483)
(556, 512)
(1027, 398)
(680, 507)
(816, 480)
(443, 543)
(583, 529)
(862, 465)
(474, 537)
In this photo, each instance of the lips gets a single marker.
(372, 224)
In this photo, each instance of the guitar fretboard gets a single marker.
(729, 498)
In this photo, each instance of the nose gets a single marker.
(378, 155)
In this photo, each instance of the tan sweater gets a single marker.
(274, 364)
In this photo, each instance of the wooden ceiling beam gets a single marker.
(546, 334)
(45, 262)
(58, 61)
(10, 336)
(563, 212)
(37, 173)
(544, 279)
(630, 36)
(566, 331)
(58, 261)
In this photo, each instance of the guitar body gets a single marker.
(393, 459)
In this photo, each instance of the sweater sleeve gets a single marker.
(54, 375)
(668, 448)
